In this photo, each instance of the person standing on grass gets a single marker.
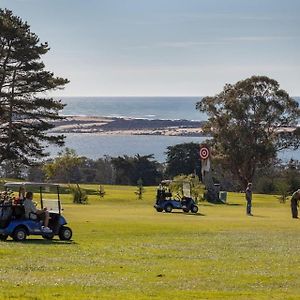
(295, 203)
(248, 195)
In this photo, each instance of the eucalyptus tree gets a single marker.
(26, 111)
(251, 121)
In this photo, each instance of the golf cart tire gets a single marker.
(168, 208)
(3, 237)
(65, 233)
(159, 209)
(19, 234)
(48, 236)
(194, 209)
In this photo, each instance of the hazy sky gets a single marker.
(165, 47)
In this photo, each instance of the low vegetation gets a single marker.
(78, 194)
(123, 249)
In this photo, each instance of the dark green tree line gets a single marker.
(68, 167)
(64, 168)
(131, 169)
(183, 159)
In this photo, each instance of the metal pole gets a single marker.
(58, 198)
(41, 197)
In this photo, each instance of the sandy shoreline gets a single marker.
(127, 126)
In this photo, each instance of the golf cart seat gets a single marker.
(168, 194)
(33, 216)
(18, 211)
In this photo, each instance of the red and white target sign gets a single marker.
(204, 153)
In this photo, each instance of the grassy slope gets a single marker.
(123, 249)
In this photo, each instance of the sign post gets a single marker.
(212, 193)
(204, 153)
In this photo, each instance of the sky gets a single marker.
(165, 47)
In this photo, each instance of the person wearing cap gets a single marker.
(31, 212)
(248, 195)
(295, 203)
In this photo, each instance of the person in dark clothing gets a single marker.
(295, 203)
(248, 195)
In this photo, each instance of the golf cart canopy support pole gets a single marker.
(41, 197)
(58, 198)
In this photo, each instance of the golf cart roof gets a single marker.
(39, 184)
(166, 182)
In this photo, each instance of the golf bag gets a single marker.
(5, 215)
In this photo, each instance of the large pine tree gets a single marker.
(26, 111)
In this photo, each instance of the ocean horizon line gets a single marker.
(141, 96)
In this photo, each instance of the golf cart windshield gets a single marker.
(186, 189)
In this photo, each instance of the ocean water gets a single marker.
(135, 107)
(95, 146)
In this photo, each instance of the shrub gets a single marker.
(140, 189)
(196, 188)
(264, 185)
(79, 195)
(282, 187)
(101, 191)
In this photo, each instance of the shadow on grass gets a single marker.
(187, 214)
(43, 242)
(228, 204)
(220, 204)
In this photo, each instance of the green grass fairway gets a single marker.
(123, 249)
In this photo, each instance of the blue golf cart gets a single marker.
(166, 202)
(12, 214)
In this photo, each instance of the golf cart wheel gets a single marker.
(194, 209)
(168, 208)
(65, 233)
(159, 209)
(3, 237)
(48, 236)
(19, 234)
